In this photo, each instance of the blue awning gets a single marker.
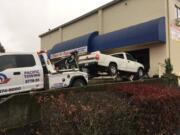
(79, 44)
(149, 32)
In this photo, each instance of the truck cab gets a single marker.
(20, 72)
(33, 71)
(126, 62)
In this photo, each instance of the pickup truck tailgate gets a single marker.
(91, 58)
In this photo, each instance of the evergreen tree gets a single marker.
(1, 48)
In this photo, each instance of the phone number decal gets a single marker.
(10, 90)
(32, 76)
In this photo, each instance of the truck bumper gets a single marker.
(86, 65)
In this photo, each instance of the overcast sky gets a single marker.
(22, 21)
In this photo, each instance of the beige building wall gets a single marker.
(82, 27)
(79, 28)
(157, 57)
(175, 41)
(50, 40)
(132, 12)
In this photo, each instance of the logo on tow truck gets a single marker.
(3, 79)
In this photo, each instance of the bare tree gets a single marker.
(1, 48)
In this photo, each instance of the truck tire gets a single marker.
(140, 73)
(112, 69)
(78, 83)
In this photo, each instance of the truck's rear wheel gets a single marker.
(113, 69)
(78, 83)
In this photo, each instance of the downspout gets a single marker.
(168, 30)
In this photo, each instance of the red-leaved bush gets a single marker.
(158, 107)
(122, 109)
(148, 90)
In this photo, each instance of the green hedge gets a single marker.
(122, 109)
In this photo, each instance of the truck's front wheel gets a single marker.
(140, 73)
(78, 83)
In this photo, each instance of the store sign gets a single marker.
(175, 32)
(80, 51)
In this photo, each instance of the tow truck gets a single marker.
(34, 71)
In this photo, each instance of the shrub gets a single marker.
(170, 78)
(123, 109)
(97, 113)
(158, 108)
(168, 66)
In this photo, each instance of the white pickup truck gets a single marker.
(122, 63)
(26, 72)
